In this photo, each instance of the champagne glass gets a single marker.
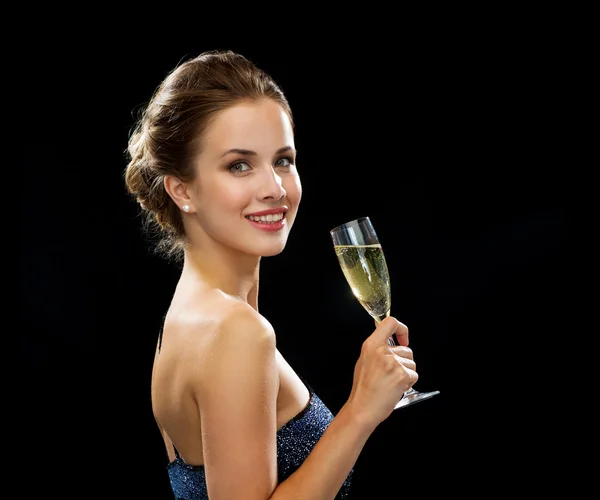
(362, 261)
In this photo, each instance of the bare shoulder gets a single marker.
(214, 328)
(244, 338)
(241, 323)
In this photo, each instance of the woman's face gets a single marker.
(247, 189)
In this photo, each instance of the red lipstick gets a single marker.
(270, 211)
(270, 225)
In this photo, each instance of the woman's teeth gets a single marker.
(265, 219)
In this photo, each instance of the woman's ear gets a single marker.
(177, 190)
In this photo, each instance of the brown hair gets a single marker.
(167, 134)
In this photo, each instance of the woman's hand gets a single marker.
(382, 373)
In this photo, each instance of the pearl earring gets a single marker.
(186, 208)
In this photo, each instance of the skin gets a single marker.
(220, 387)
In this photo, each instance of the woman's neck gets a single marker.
(233, 273)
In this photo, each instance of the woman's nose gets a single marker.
(272, 185)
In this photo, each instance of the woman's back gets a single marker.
(187, 337)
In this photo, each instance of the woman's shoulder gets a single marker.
(216, 317)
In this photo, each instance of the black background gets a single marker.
(442, 138)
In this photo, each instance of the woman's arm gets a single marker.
(238, 406)
(238, 400)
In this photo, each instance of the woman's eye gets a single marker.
(240, 166)
(284, 162)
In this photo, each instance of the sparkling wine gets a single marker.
(367, 274)
(361, 258)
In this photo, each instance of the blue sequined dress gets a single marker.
(295, 440)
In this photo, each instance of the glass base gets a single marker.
(412, 396)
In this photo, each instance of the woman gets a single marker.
(212, 163)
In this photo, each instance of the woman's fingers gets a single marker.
(402, 351)
(388, 327)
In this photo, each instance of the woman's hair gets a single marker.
(167, 135)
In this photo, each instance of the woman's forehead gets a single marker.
(250, 125)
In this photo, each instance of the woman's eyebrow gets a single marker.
(249, 152)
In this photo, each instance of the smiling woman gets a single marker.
(244, 166)
(212, 163)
